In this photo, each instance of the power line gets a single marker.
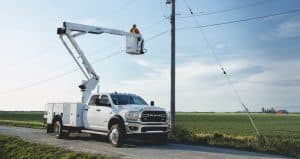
(241, 20)
(74, 70)
(223, 70)
(226, 10)
(120, 8)
(59, 75)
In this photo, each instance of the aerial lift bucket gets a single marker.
(135, 45)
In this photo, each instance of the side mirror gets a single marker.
(152, 103)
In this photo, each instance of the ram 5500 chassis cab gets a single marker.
(115, 115)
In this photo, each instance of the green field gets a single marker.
(280, 134)
(224, 123)
(21, 116)
(238, 123)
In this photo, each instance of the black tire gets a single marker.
(58, 130)
(116, 135)
(50, 128)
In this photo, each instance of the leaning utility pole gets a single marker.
(172, 106)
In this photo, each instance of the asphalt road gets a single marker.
(134, 149)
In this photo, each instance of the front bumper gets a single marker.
(146, 127)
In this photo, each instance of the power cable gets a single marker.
(241, 20)
(223, 70)
(120, 8)
(59, 75)
(225, 10)
(74, 70)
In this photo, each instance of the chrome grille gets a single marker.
(154, 116)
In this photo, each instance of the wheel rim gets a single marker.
(114, 136)
(57, 128)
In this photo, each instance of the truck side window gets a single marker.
(104, 101)
(93, 100)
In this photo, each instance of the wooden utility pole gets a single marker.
(172, 103)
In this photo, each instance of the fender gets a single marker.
(116, 119)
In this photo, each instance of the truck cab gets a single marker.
(115, 115)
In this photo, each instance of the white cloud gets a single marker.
(200, 86)
(220, 46)
(194, 80)
(285, 29)
(142, 63)
(289, 28)
(93, 21)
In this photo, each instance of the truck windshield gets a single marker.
(122, 99)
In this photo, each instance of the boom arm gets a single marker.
(72, 30)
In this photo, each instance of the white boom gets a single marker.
(134, 46)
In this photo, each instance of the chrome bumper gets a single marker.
(146, 127)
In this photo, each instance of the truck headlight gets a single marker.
(132, 116)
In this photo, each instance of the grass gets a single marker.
(15, 148)
(238, 124)
(23, 119)
(280, 134)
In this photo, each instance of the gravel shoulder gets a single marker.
(134, 149)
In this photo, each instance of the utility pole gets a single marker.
(172, 103)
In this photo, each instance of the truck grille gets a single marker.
(145, 129)
(154, 116)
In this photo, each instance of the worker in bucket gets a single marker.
(135, 30)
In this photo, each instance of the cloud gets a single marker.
(220, 46)
(289, 29)
(142, 63)
(278, 73)
(194, 80)
(93, 21)
(285, 29)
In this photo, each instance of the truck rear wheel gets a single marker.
(58, 131)
(50, 128)
(116, 135)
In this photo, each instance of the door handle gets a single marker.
(98, 110)
(86, 109)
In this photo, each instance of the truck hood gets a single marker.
(132, 107)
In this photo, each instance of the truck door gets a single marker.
(89, 114)
(104, 112)
(97, 113)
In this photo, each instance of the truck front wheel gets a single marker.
(116, 135)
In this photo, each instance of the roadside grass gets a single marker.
(280, 134)
(22, 115)
(16, 148)
(269, 144)
(27, 124)
(238, 124)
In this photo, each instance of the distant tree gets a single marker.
(263, 109)
(273, 110)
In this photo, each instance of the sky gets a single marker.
(261, 56)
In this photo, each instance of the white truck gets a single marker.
(115, 115)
